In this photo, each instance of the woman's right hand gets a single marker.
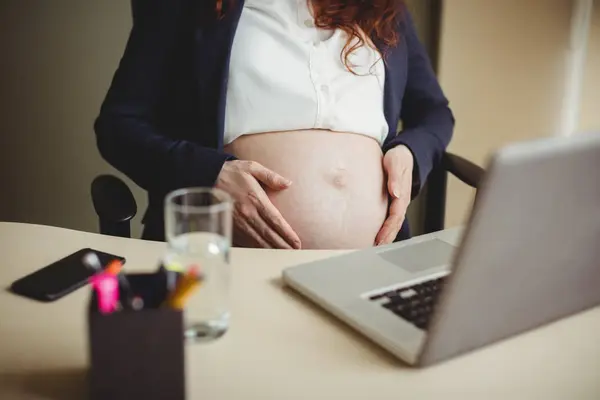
(253, 212)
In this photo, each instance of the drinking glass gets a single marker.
(198, 234)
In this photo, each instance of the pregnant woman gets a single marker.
(291, 106)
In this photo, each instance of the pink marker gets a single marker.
(107, 291)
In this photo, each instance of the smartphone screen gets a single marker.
(61, 277)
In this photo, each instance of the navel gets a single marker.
(338, 177)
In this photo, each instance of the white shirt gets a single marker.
(286, 74)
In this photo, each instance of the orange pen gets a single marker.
(186, 286)
(114, 267)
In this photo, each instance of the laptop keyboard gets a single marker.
(413, 303)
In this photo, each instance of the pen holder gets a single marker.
(137, 354)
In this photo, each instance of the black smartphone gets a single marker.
(59, 278)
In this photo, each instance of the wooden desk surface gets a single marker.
(279, 345)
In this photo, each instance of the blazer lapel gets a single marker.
(212, 51)
(396, 65)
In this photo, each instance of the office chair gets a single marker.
(115, 206)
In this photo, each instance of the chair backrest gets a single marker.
(435, 200)
(114, 204)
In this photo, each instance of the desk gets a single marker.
(279, 346)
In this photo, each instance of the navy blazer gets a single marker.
(162, 120)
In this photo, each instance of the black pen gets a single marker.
(171, 277)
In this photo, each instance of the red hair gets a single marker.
(360, 19)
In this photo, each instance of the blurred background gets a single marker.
(512, 69)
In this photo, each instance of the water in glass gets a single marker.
(207, 312)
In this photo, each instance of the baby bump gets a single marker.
(337, 198)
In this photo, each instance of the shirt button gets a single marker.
(309, 23)
(325, 89)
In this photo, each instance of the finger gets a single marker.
(271, 179)
(389, 231)
(393, 223)
(393, 183)
(247, 228)
(263, 229)
(273, 217)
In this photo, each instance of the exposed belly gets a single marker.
(337, 198)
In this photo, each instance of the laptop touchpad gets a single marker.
(420, 256)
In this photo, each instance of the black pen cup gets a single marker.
(137, 354)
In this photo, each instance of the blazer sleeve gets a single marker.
(427, 121)
(126, 136)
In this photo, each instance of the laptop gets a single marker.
(529, 255)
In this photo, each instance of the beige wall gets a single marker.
(590, 107)
(57, 60)
(502, 64)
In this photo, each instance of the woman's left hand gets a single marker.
(398, 165)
